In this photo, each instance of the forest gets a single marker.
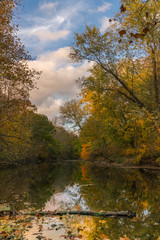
(116, 116)
(118, 111)
(25, 135)
(92, 171)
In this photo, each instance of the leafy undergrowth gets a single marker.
(21, 227)
(73, 228)
(14, 227)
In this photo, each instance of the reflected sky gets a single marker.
(70, 198)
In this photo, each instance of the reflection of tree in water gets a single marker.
(90, 187)
(125, 189)
(33, 186)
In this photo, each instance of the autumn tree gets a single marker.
(73, 114)
(122, 92)
(16, 78)
(140, 25)
(135, 40)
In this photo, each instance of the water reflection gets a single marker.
(70, 198)
(35, 185)
(86, 186)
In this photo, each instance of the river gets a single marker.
(75, 185)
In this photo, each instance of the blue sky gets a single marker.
(47, 28)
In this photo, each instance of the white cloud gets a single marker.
(107, 24)
(51, 26)
(51, 109)
(48, 6)
(47, 35)
(57, 82)
(106, 6)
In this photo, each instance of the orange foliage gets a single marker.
(86, 149)
(85, 170)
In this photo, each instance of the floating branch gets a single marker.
(127, 214)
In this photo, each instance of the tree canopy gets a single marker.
(122, 92)
(24, 134)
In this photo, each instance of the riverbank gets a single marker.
(125, 163)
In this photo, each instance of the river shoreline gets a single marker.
(104, 163)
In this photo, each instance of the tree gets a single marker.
(43, 144)
(15, 138)
(142, 32)
(16, 79)
(73, 114)
(135, 41)
(121, 94)
(67, 144)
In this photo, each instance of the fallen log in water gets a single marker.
(127, 214)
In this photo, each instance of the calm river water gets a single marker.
(84, 186)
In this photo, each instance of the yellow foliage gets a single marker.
(144, 204)
(140, 122)
(129, 151)
(124, 238)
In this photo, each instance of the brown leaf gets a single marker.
(147, 14)
(40, 228)
(122, 8)
(122, 32)
(4, 236)
(79, 236)
(104, 237)
(137, 35)
(145, 30)
(148, 24)
(79, 229)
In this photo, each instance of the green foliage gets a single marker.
(25, 136)
(42, 137)
(68, 145)
(123, 90)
